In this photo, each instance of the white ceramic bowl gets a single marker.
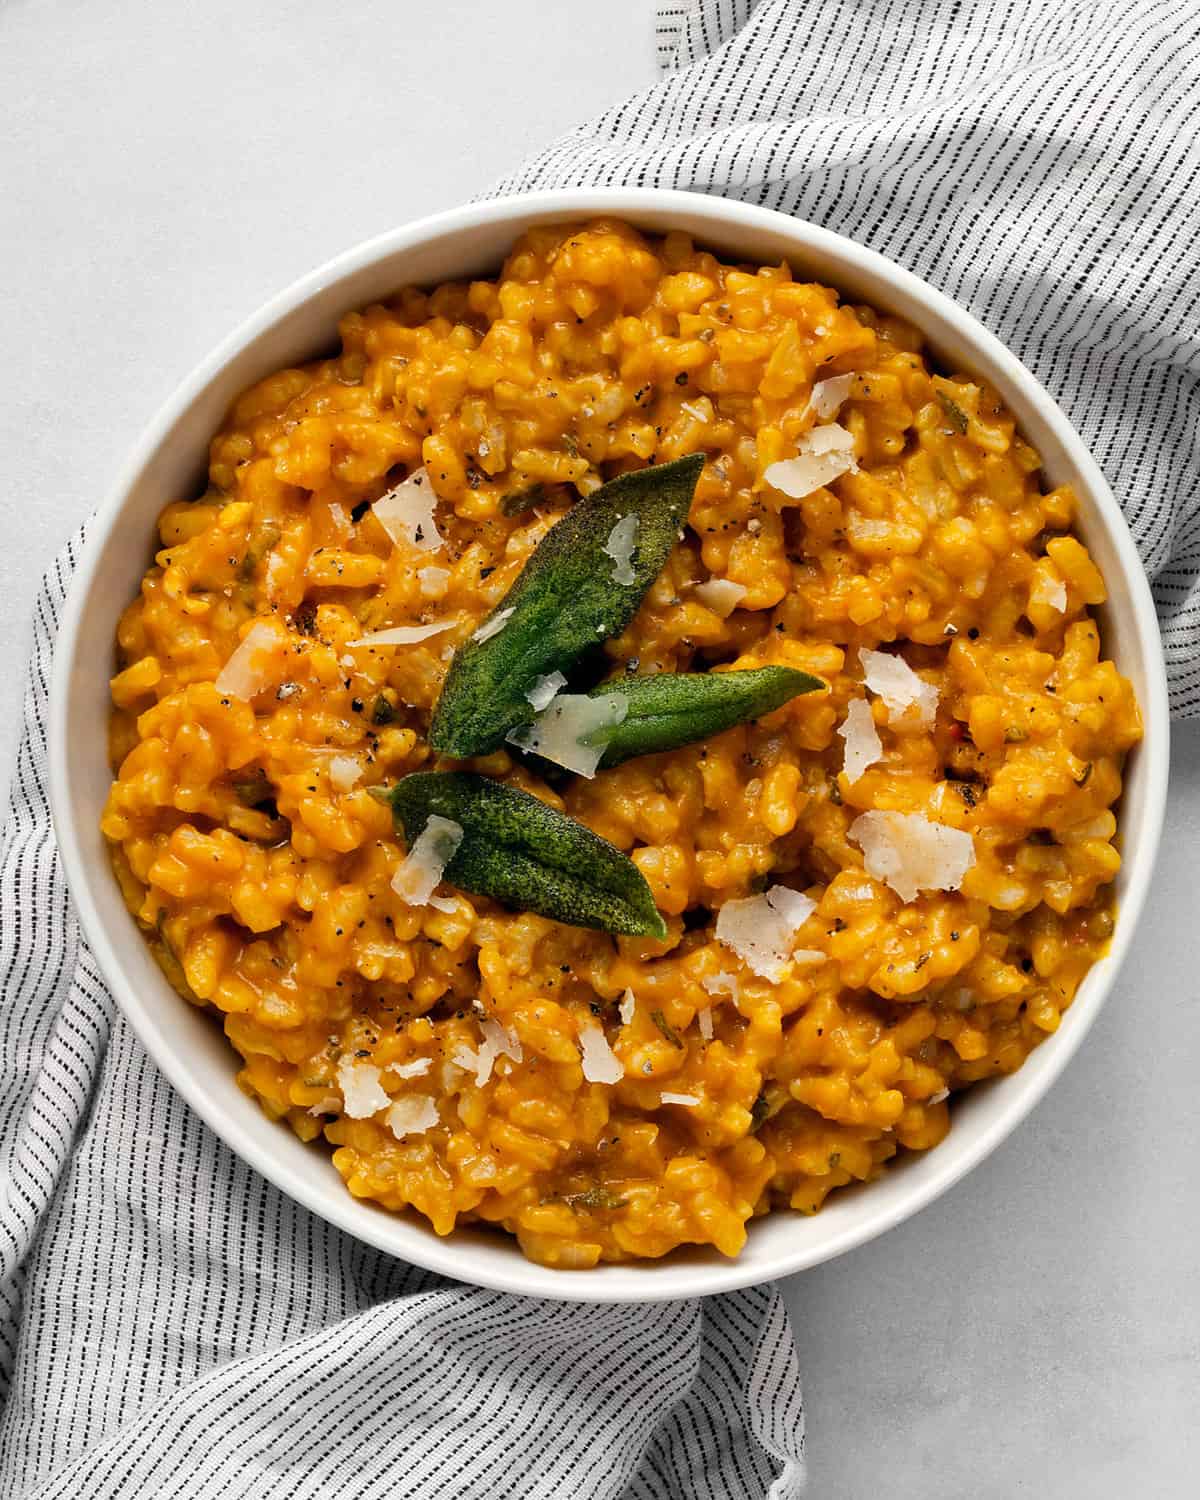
(169, 461)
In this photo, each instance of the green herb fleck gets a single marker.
(666, 1028)
(958, 417)
(598, 1197)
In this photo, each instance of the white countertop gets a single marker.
(166, 167)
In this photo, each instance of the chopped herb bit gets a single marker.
(958, 417)
(596, 1198)
(254, 789)
(666, 1028)
(382, 711)
(518, 501)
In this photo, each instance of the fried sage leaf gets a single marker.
(672, 709)
(565, 601)
(526, 855)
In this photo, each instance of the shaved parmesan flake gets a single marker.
(689, 1101)
(822, 455)
(628, 1007)
(257, 664)
(898, 685)
(863, 745)
(573, 730)
(721, 595)
(493, 626)
(545, 688)
(406, 512)
(1050, 590)
(762, 929)
(413, 1114)
(497, 1042)
(344, 772)
(600, 1062)
(705, 1020)
(276, 568)
(466, 1057)
(828, 395)
(421, 868)
(912, 854)
(723, 984)
(414, 1069)
(362, 1093)
(621, 545)
(327, 1106)
(403, 635)
(341, 521)
(940, 1097)
(433, 582)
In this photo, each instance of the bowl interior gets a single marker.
(169, 463)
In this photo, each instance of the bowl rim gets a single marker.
(659, 1280)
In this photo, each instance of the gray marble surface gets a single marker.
(164, 168)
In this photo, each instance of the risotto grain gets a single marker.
(455, 1055)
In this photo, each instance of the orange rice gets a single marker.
(596, 350)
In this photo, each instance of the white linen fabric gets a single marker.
(170, 1324)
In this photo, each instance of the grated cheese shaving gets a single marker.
(822, 455)
(721, 595)
(940, 1097)
(808, 956)
(689, 1101)
(362, 1093)
(345, 771)
(466, 1057)
(413, 1114)
(573, 730)
(696, 412)
(621, 545)
(628, 1007)
(912, 854)
(827, 395)
(406, 512)
(492, 626)
(1049, 589)
(545, 688)
(498, 1042)
(415, 1069)
(705, 1020)
(600, 1063)
(257, 664)
(762, 929)
(723, 984)
(863, 745)
(341, 521)
(893, 680)
(422, 867)
(403, 635)
(433, 582)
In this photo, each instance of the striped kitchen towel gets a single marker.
(170, 1324)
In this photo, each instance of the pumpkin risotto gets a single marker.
(874, 895)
